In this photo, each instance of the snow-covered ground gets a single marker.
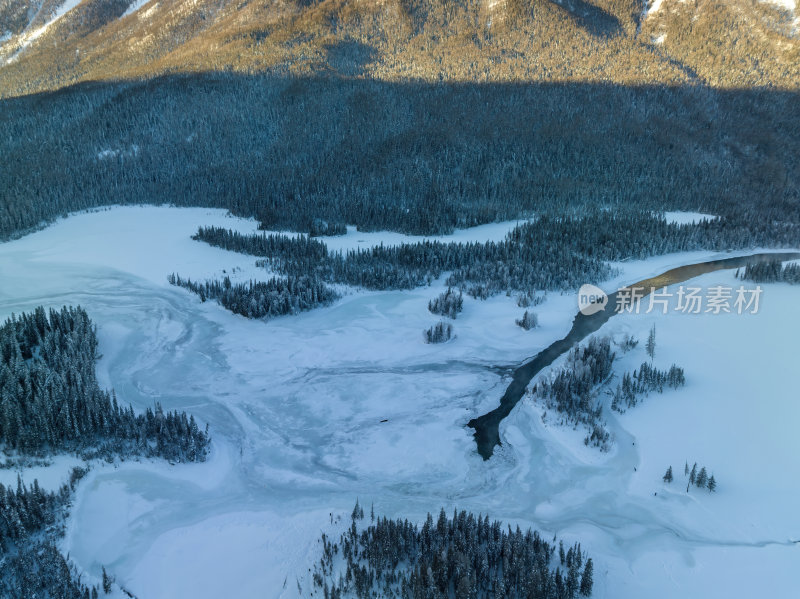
(296, 405)
(687, 218)
(134, 6)
(51, 474)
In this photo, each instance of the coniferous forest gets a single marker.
(773, 271)
(411, 156)
(549, 253)
(463, 557)
(31, 520)
(258, 299)
(50, 400)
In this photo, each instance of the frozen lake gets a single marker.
(296, 409)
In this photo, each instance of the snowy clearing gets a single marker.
(133, 7)
(296, 405)
(686, 218)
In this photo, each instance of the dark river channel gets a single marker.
(486, 427)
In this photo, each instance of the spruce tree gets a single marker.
(702, 478)
(668, 475)
(650, 347)
(712, 484)
(106, 582)
(587, 579)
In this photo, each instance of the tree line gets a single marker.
(262, 299)
(771, 271)
(460, 557)
(31, 520)
(50, 399)
(549, 253)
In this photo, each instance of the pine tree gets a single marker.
(702, 478)
(587, 578)
(650, 347)
(528, 321)
(686, 469)
(692, 476)
(668, 475)
(106, 582)
(712, 484)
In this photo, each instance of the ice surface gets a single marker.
(295, 408)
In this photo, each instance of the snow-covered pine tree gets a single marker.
(668, 475)
(650, 346)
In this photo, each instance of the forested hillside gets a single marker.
(413, 157)
(726, 43)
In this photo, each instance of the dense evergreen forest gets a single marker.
(463, 557)
(407, 156)
(31, 567)
(258, 299)
(548, 253)
(50, 399)
(773, 271)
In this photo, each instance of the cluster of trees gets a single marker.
(551, 252)
(272, 245)
(526, 300)
(320, 228)
(31, 519)
(628, 342)
(259, 299)
(50, 399)
(439, 333)
(528, 321)
(447, 304)
(643, 382)
(571, 391)
(772, 271)
(465, 556)
(698, 478)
